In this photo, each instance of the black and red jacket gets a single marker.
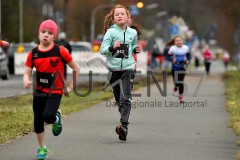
(47, 63)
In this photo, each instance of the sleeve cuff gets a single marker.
(134, 51)
(111, 49)
(188, 55)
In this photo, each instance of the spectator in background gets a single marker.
(207, 57)
(238, 60)
(154, 48)
(62, 41)
(197, 56)
(167, 57)
(137, 28)
(226, 58)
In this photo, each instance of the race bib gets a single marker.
(45, 80)
(180, 65)
(122, 51)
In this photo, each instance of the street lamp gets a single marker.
(140, 4)
(162, 13)
(93, 18)
(152, 6)
(21, 21)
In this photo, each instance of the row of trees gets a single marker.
(77, 17)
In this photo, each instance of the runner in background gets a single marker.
(180, 60)
(226, 58)
(207, 57)
(62, 41)
(137, 28)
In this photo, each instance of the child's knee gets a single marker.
(49, 119)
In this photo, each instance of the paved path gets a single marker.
(155, 133)
(14, 87)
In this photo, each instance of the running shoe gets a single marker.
(175, 89)
(42, 153)
(122, 132)
(57, 126)
(180, 99)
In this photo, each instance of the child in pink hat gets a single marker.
(48, 59)
(50, 25)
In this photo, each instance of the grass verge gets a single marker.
(17, 115)
(232, 85)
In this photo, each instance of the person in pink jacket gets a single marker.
(226, 58)
(207, 57)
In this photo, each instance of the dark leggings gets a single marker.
(45, 109)
(132, 79)
(207, 66)
(122, 87)
(179, 78)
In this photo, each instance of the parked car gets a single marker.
(19, 48)
(4, 72)
(81, 46)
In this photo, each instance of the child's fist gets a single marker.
(5, 44)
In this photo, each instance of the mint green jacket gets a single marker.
(129, 36)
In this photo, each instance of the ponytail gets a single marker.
(172, 41)
(106, 22)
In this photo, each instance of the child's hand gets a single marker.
(27, 84)
(174, 61)
(69, 90)
(5, 44)
(138, 48)
(116, 44)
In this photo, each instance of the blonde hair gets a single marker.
(110, 17)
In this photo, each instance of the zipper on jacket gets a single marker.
(123, 43)
(121, 63)
(124, 36)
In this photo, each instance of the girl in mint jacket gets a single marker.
(119, 45)
(117, 35)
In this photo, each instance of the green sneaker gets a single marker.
(42, 153)
(57, 126)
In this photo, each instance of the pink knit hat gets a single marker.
(50, 25)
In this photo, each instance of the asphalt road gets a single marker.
(198, 131)
(13, 87)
